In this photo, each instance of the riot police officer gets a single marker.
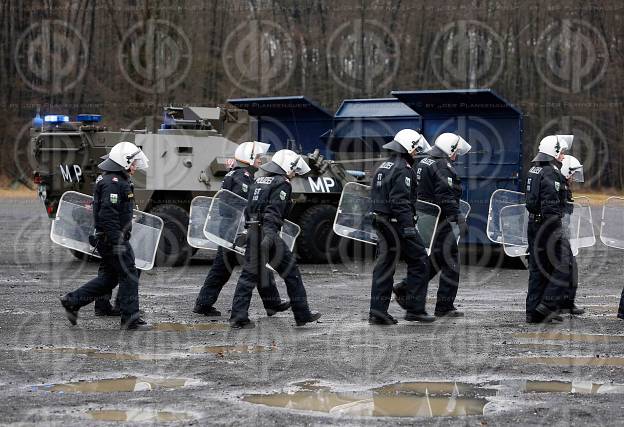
(268, 205)
(393, 195)
(438, 183)
(572, 171)
(238, 181)
(113, 203)
(549, 252)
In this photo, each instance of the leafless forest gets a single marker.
(560, 61)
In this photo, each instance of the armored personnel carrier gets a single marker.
(189, 156)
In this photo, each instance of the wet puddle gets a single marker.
(397, 400)
(222, 350)
(188, 327)
(581, 338)
(531, 346)
(114, 385)
(577, 387)
(105, 355)
(573, 361)
(138, 415)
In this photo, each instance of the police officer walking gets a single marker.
(113, 203)
(438, 183)
(393, 195)
(268, 205)
(549, 252)
(572, 171)
(238, 181)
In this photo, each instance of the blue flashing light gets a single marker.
(55, 118)
(89, 118)
(37, 122)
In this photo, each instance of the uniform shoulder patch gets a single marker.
(408, 181)
(114, 198)
(535, 170)
(282, 195)
(230, 173)
(245, 188)
(449, 180)
(557, 185)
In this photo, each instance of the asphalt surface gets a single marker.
(491, 347)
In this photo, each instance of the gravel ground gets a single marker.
(491, 347)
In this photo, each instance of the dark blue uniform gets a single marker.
(237, 181)
(549, 248)
(269, 202)
(113, 202)
(393, 194)
(438, 183)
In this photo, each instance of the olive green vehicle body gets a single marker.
(189, 157)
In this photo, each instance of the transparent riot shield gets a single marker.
(513, 221)
(73, 225)
(612, 224)
(499, 200)
(197, 219)
(586, 233)
(464, 208)
(428, 216)
(146, 231)
(355, 221)
(353, 217)
(225, 223)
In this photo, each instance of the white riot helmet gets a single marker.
(248, 152)
(551, 147)
(121, 157)
(286, 161)
(408, 140)
(450, 143)
(572, 169)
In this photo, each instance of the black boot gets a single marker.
(136, 324)
(71, 311)
(573, 310)
(109, 311)
(312, 317)
(400, 295)
(420, 317)
(206, 310)
(381, 319)
(242, 324)
(283, 306)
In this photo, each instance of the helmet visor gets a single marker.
(577, 175)
(141, 160)
(301, 168)
(463, 148)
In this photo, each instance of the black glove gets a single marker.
(409, 232)
(463, 226)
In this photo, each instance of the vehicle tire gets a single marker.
(173, 250)
(84, 257)
(317, 242)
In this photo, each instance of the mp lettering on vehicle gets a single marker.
(322, 184)
(67, 172)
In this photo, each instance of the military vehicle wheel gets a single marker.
(173, 250)
(318, 243)
(84, 257)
